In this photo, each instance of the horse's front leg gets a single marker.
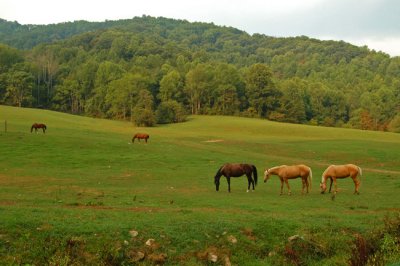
(330, 187)
(228, 179)
(288, 187)
(281, 186)
(336, 190)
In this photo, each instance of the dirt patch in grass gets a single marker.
(7, 203)
(29, 180)
(214, 140)
(112, 208)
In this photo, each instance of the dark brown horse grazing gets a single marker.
(36, 126)
(334, 172)
(140, 136)
(285, 172)
(236, 170)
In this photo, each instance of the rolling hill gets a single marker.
(84, 194)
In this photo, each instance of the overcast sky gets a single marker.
(375, 23)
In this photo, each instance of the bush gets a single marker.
(170, 112)
(380, 247)
(143, 117)
(394, 125)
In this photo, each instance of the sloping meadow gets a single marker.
(82, 193)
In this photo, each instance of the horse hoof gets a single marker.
(247, 191)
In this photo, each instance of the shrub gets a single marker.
(143, 117)
(170, 112)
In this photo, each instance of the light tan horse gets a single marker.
(285, 172)
(334, 172)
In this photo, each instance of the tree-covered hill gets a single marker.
(27, 36)
(153, 70)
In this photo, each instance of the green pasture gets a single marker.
(71, 196)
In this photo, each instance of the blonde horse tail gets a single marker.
(310, 177)
(359, 171)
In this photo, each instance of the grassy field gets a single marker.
(74, 195)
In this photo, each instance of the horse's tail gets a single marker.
(255, 174)
(310, 177)
(359, 171)
(45, 127)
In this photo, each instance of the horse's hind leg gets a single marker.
(356, 185)
(303, 181)
(250, 182)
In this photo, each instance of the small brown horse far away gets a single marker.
(285, 172)
(140, 136)
(334, 172)
(236, 170)
(36, 126)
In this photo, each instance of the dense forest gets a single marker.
(158, 70)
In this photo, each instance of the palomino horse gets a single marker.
(36, 126)
(334, 172)
(285, 172)
(236, 170)
(140, 136)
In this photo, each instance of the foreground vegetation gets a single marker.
(150, 70)
(82, 194)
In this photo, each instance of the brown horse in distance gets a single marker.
(36, 126)
(140, 136)
(285, 172)
(236, 170)
(334, 172)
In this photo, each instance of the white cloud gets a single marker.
(390, 45)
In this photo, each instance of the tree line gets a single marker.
(157, 70)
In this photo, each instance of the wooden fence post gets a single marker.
(5, 126)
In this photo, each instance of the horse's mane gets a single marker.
(275, 167)
(323, 174)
